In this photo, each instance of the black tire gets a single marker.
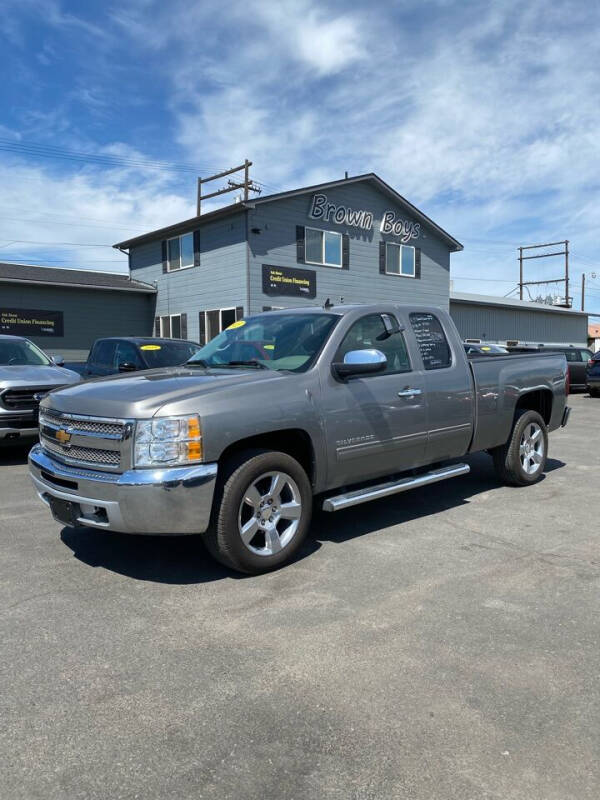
(508, 458)
(224, 538)
(593, 392)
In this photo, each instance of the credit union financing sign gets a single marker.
(321, 208)
(25, 322)
(288, 282)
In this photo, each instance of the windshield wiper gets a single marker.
(253, 362)
(198, 362)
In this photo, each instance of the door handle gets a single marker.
(408, 392)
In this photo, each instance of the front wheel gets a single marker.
(262, 512)
(521, 461)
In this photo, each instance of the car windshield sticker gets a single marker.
(150, 347)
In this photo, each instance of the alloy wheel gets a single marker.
(269, 514)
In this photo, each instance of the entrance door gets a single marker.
(376, 424)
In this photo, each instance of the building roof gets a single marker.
(55, 276)
(510, 302)
(236, 208)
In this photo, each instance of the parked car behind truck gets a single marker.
(132, 353)
(344, 404)
(26, 372)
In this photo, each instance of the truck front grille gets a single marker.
(87, 424)
(23, 398)
(84, 455)
(86, 441)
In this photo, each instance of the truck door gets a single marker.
(449, 387)
(376, 424)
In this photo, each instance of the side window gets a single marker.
(127, 352)
(104, 354)
(434, 347)
(586, 355)
(571, 355)
(370, 333)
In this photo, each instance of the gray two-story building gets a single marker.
(355, 239)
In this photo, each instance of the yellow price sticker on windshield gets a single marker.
(269, 346)
(239, 324)
(150, 347)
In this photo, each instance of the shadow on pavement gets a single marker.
(15, 454)
(415, 504)
(184, 560)
(162, 559)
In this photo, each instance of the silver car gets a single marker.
(26, 375)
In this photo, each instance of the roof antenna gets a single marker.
(327, 304)
(346, 175)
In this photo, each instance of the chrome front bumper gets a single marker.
(164, 502)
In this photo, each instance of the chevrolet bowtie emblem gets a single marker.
(63, 436)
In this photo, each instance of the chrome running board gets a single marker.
(342, 501)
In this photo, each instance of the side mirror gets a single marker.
(59, 361)
(360, 362)
(127, 366)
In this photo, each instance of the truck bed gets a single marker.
(500, 380)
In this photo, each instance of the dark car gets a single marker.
(109, 356)
(592, 379)
(484, 349)
(577, 360)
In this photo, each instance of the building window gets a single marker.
(180, 252)
(169, 327)
(211, 323)
(323, 247)
(399, 260)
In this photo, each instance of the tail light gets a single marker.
(591, 362)
(568, 383)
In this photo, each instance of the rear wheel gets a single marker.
(262, 512)
(593, 392)
(522, 459)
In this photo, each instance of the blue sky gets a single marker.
(485, 115)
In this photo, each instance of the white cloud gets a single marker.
(484, 114)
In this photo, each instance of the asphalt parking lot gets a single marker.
(440, 645)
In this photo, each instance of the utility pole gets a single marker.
(583, 292)
(248, 185)
(567, 273)
(520, 273)
(564, 252)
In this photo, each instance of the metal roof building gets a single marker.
(502, 319)
(65, 310)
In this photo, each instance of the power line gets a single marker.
(38, 150)
(62, 244)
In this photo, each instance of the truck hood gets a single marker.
(143, 394)
(36, 376)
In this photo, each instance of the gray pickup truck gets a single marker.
(26, 373)
(346, 404)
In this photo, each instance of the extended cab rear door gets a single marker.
(448, 384)
(376, 424)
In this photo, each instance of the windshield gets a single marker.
(168, 354)
(272, 341)
(21, 353)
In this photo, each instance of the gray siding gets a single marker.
(219, 281)
(496, 324)
(276, 245)
(88, 314)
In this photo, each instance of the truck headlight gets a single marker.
(167, 442)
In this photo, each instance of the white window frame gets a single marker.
(170, 317)
(180, 237)
(324, 263)
(401, 274)
(220, 310)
